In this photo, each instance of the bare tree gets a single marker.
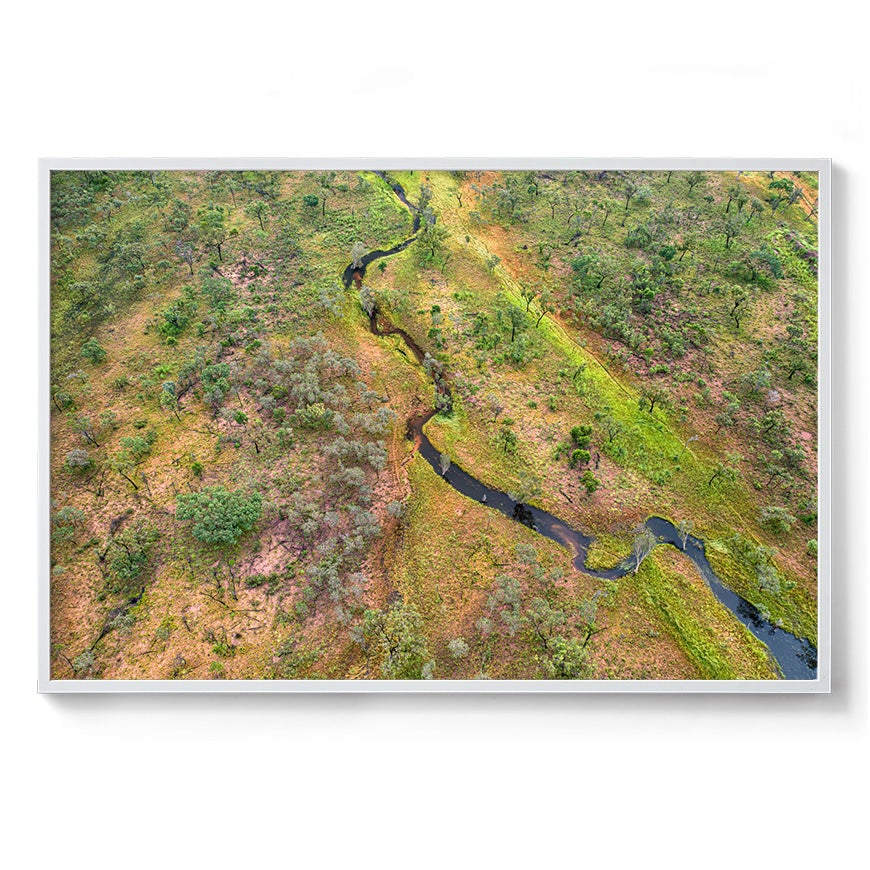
(496, 406)
(185, 252)
(367, 300)
(684, 529)
(357, 253)
(644, 543)
(629, 192)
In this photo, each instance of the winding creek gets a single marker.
(796, 657)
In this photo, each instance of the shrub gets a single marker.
(315, 416)
(84, 662)
(175, 318)
(590, 481)
(768, 578)
(776, 519)
(458, 648)
(224, 649)
(78, 460)
(93, 351)
(138, 447)
(581, 435)
(65, 523)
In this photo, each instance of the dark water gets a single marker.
(796, 657)
(352, 272)
(403, 197)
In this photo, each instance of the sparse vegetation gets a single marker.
(233, 489)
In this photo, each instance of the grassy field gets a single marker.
(234, 494)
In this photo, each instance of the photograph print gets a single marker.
(439, 425)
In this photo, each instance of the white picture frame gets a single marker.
(822, 682)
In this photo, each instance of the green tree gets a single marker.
(326, 180)
(219, 515)
(529, 294)
(220, 293)
(505, 602)
(727, 417)
(122, 463)
(213, 228)
(607, 206)
(650, 396)
(768, 579)
(545, 305)
(137, 446)
(84, 427)
(169, 398)
(773, 427)
(730, 228)
(507, 438)
(528, 487)
(367, 300)
(612, 427)
(258, 209)
(127, 556)
(693, 179)
(513, 317)
(564, 657)
(397, 636)
(798, 355)
(174, 319)
(782, 190)
(495, 405)
(216, 384)
(733, 193)
(431, 245)
(581, 435)
(726, 472)
(756, 206)
(738, 302)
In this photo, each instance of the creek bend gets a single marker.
(796, 657)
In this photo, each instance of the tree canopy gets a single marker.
(219, 515)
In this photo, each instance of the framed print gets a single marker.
(435, 425)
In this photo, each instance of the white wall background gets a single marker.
(433, 781)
